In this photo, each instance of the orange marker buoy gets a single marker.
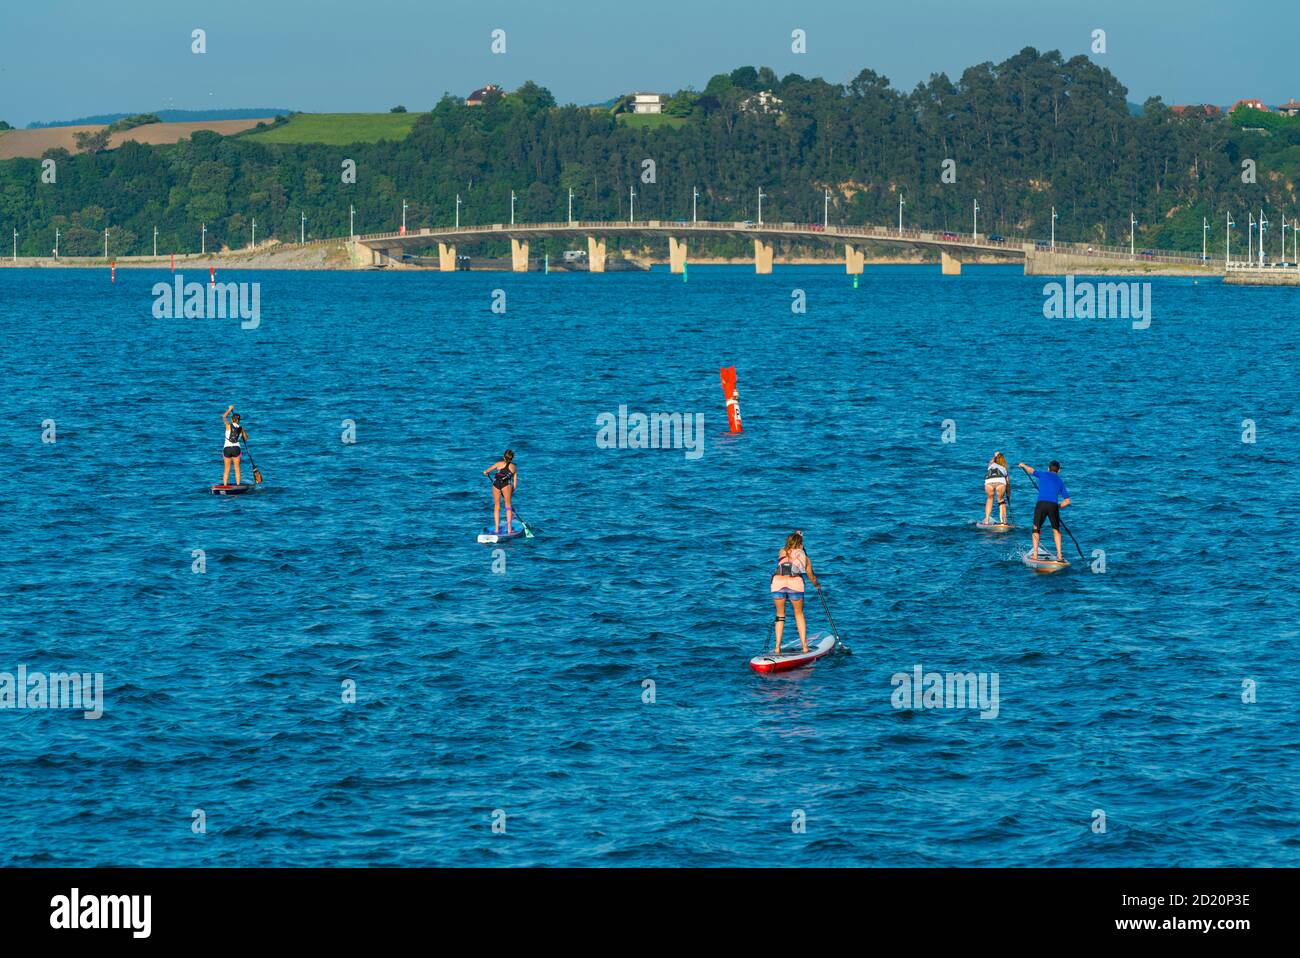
(212, 276)
(112, 272)
(728, 374)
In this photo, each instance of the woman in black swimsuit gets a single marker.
(230, 449)
(505, 480)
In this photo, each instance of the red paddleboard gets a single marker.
(232, 490)
(819, 646)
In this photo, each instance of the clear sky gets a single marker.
(62, 59)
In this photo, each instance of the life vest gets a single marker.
(791, 563)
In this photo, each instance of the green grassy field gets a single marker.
(338, 129)
(650, 121)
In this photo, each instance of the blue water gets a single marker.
(523, 690)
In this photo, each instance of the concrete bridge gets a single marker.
(1039, 256)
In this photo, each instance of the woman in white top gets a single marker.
(232, 434)
(792, 564)
(995, 484)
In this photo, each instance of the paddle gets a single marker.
(257, 473)
(1063, 525)
(528, 530)
(839, 643)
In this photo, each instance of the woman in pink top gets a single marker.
(787, 583)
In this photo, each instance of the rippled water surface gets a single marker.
(524, 690)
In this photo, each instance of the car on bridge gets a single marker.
(949, 235)
(1043, 244)
(996, 238)
(817, 227)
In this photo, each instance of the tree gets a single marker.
(91, 142)
(535, 99)
(398, 109)
(681, 103)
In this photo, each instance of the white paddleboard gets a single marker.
(1042, 563)
(819, 646)
(995, 526)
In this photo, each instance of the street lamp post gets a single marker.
(15, 246)
(56, 242)
(403, 217)
(203, 241)
(1205, 228)
(760, 206)
(631, 204)
(1132, 235)
(826, 209)
(1053, 227)
(975, 226)
(105, 242)
(900, 214)
(302, 228)
(695, 195)
(512, 207)
(570, 205)
(1227, 239)
(457, 211)
(1263, 223)
(1250, 238)
(352, 212)
(254, 238)
(155, 241)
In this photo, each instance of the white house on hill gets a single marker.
(647, 103)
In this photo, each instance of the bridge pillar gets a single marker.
(762, 256)
(390, 257)
(854, 259)
(362, 255)
(519, 255)
(447, 257)
(595, 254)
(676, 254)
(950, 263)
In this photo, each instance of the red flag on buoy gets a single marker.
(728, 374)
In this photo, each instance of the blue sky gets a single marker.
(67, 58)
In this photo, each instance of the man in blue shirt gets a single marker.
(1050, 489)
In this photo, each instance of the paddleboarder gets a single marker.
(1050, 489)
(792, 564)
(995, 483)
(233, 434)
(505, 480)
